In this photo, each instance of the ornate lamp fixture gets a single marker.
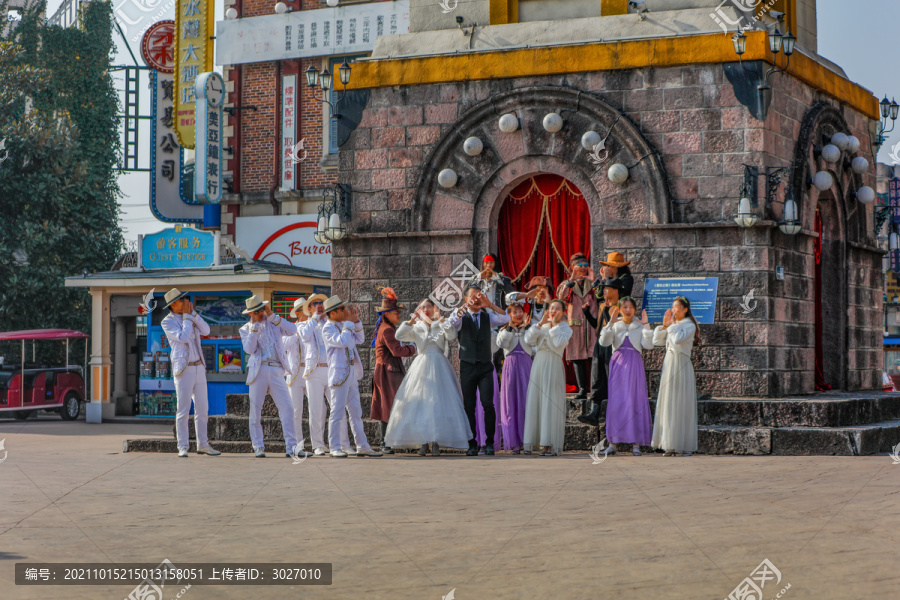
(333, 213)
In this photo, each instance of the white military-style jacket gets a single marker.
(183, 331)
(250, 339)
(341, 339)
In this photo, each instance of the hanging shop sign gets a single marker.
(178, 248)
(210, 93)
(701, 292)
(167, 201)
(285, 239)
(292, 151)
(303, 33)
(193, 55)
(158, 46)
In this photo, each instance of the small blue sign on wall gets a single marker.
(179, 248)
(701, 292)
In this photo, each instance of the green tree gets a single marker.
(58, 190)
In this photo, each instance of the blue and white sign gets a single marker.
(894, 199)
(701, 292)
(167, 201)
(210, 93)
(178, 248)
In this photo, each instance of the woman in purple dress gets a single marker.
(516, 371)
(628, 409)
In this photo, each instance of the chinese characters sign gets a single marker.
(288, 114)
(178, 248)
(701, 292)
(894, 199)
(158, 46)
(167, 158)
(193, 55)
(210, 93)
(320, 32)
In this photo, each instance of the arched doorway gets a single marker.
(830, 297)
(542, 222)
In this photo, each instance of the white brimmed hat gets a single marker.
(298, 304)
(333, 303)
(518, 298)
(310, 300)
(254, 304)
(174, 295)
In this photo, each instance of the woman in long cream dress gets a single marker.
(545, 404)
(675, 426)
(428, 407)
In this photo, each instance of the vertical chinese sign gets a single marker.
(210, 94)
(894, 203)
(166, 156)
(289, 155)
(194, 20)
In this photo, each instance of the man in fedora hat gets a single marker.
(183, 327)
(389, 352)
(612, 289)
(295, 382)
(577, 293)
(262, 340)
(540, 293)
(315, 376)
(342, 333)
(616, 266)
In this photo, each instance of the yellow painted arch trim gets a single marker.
(604, 56)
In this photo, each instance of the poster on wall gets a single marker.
(285, 239)
(701, 292)
(229, 359)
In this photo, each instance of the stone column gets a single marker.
(100, 405)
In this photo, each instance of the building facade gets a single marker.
(675, 107)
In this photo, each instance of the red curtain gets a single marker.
(542, 222)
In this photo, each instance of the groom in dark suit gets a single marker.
(473, 323)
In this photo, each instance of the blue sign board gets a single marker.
(700, 291)
(894, 199)
(178, 248)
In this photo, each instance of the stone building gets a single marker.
(684, 116)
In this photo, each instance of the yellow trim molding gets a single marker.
(604, 56)
(502, 12)
(613, 7)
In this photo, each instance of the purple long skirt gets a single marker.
(480, 437)
(516, 371)
(628, 410)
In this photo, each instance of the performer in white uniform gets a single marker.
(183, 327)
(294, 377)
(342, 333)
(315, 376)
(261, 338)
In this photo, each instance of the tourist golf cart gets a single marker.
(29, 386)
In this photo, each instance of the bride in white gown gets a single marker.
(428, 406)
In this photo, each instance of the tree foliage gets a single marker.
(58, 191)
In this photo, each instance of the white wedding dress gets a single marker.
(428, 406)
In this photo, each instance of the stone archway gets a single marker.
(841, 221)
(508, 158)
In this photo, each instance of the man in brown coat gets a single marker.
(389, 352)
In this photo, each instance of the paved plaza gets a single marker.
(406, 527)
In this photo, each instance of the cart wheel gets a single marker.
(71, 408)
(21, 415)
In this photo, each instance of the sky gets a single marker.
(859, 36)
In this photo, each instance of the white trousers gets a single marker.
(316, 391)
(345, 399)
(297, 389)
(191, 385)
(271, 379)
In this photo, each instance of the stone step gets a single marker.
(822, 410)
(856, 440)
